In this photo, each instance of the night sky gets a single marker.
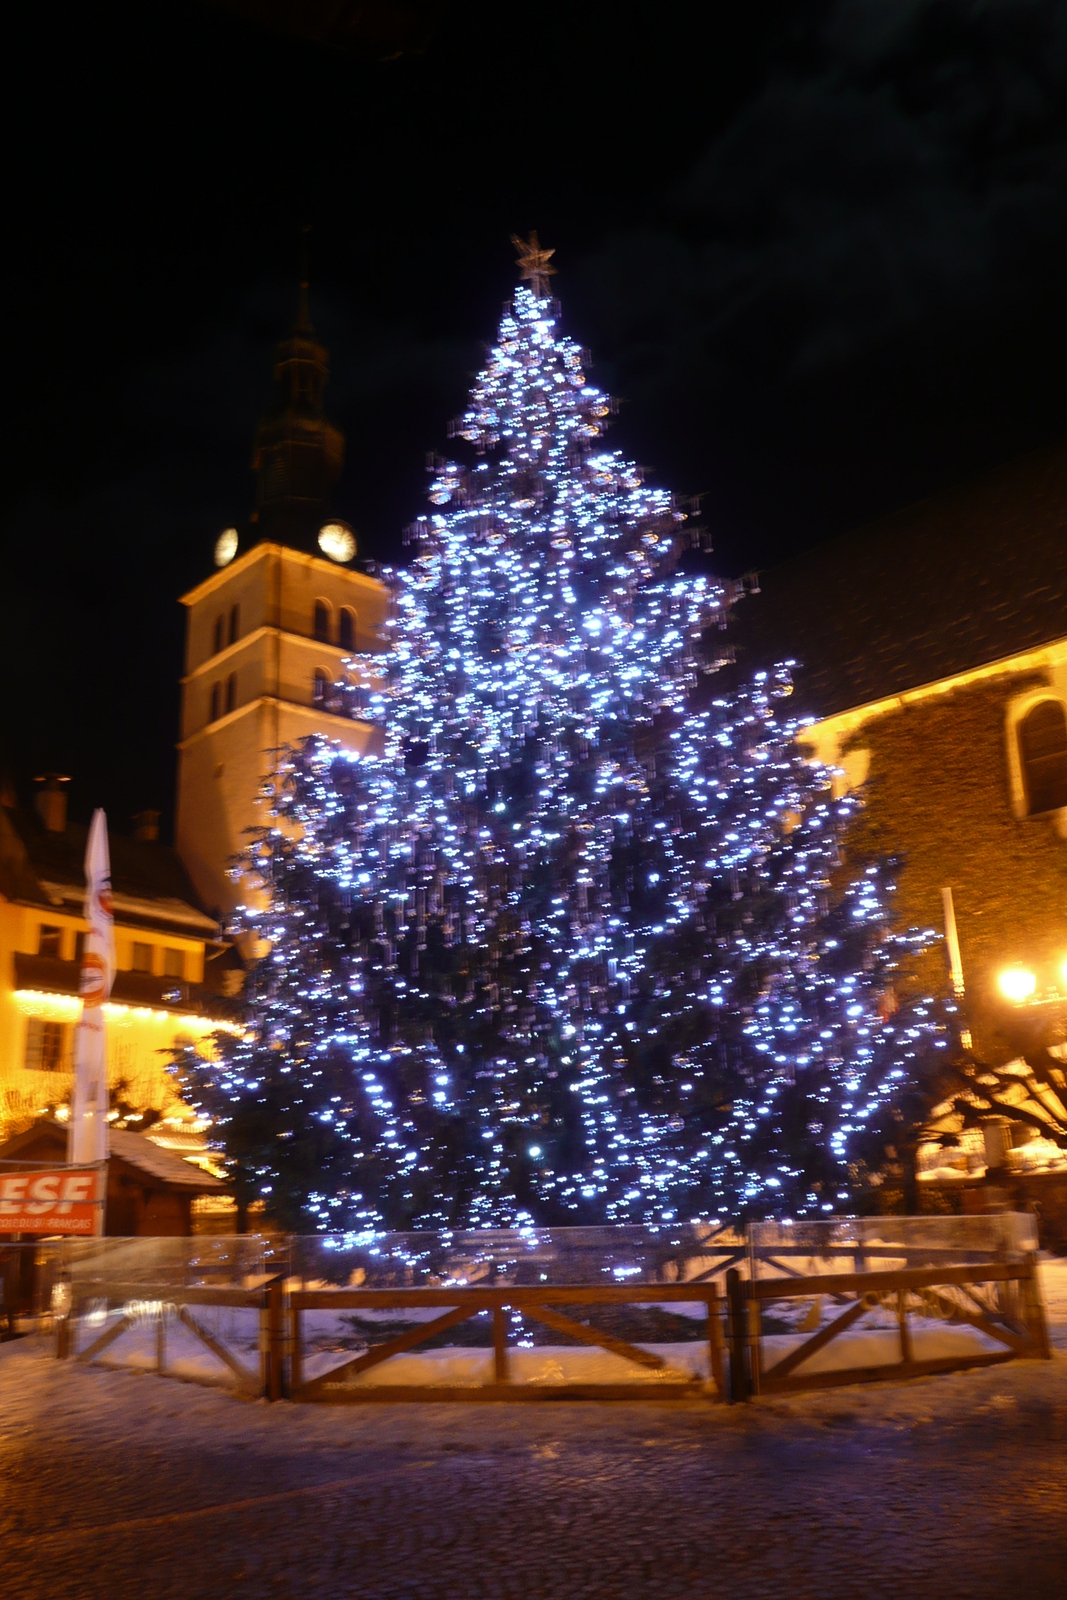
(818, 252)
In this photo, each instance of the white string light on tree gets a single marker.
(571, 947)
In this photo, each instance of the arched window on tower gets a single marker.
(319, 686)
(347, 628)
(1043, 756)
(235, 624)
(219, 640)
(231, 691)
(216, 701)
(322, 621)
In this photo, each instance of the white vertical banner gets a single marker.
(87, 1140)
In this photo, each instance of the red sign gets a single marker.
(53, 1200)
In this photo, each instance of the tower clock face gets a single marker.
(337, 541)
(225, 547)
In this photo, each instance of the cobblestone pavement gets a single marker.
(119, 1485)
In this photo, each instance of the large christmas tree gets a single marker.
(572, 945)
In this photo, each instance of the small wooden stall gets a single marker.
(150, 1191)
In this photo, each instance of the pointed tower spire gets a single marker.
(303, 313)
(298, 453)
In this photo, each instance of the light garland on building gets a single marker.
(54, 1007)
(568, 948)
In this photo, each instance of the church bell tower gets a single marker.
(270, 630)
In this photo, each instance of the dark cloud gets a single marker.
(867, 263)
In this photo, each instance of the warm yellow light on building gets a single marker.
(1017, 984)
(50, 1007)
(67, 1008)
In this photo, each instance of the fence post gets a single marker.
(737, 1322)
(272, 1339)
(715, 1341)
(904, 1330)
(1032, 1308)
(500, 1345)
(755, 1330)
(265, 1352)
(296, 1353)
(63, 1303)
(276, 1385)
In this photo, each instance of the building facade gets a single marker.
(931, 657)
(266, 637)
(170, 981)
(965, 781)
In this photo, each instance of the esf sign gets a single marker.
(53, 1200)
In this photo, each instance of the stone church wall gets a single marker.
(939, 796)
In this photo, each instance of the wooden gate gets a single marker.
(999, 1300)
(539, 1304)
(140, 1303)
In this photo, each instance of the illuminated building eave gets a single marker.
(842, 723)
(67, 1007)
(260, 552)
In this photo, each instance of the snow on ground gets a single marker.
(1053, 1280)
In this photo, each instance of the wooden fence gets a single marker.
(540, 1304)
(1010, 1314)
(139, 1303)
(997, 1299)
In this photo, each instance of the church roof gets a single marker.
(954, 582)
(149, 883)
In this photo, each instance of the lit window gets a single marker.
(141, 960)
(318, 688)
(348, 628)
(322, 621)
(219, 626)
(174, 963)
(231, 691)
(46, 1045)
(216, 692)
(235, 624)
(1043, 756)
(49, 941)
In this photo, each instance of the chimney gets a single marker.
(146, 826)
(52, 801)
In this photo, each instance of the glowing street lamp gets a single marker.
(1017, 984)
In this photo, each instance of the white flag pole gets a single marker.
(87, 1140)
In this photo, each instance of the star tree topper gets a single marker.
(534, 264)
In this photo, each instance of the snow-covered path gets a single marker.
(120, 1484)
